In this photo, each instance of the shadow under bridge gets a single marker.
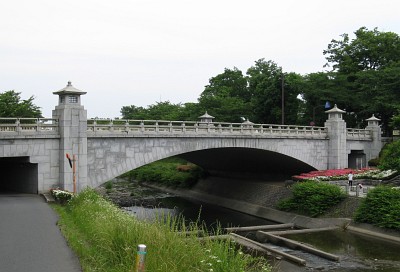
(247, 163)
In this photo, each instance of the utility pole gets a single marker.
(283, 97)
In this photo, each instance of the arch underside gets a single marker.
(247, 162)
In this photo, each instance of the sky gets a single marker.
(140, 52)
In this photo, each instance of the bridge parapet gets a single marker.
(359, 134)
(12, 127)
(126, 128)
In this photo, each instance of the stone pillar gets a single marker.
(376, 134)
(72, 118)
(337, 133)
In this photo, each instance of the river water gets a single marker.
(357, 253)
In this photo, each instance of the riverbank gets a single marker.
(259, 199)
(251, 197)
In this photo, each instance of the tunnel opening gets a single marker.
(357, 159)
(18, 175)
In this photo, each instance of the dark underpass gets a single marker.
(18, 175)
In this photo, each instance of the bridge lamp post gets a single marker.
(326, 107)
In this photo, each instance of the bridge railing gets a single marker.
(28, 125)
(13, 126)
(155, 127)
(358, 134)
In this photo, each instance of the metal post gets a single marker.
(141, 253)
(74, 172)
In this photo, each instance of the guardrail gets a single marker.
(28, 125)
(157, 127)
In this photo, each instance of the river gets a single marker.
(357, 253)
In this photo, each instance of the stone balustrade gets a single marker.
(103, 127)
(358, 134)
(28, 126)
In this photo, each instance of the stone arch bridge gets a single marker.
(33, 151)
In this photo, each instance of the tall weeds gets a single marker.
(105, 238)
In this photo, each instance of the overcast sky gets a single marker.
(139, 52)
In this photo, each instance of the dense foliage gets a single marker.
(370, 50)
(390, 156)
(11, 105)
(105, 238)
(312, 198)
(364, 80)
(172, 172)
(163, 111)
(381, 207)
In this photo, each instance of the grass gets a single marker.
(105, 238)
(172, 172)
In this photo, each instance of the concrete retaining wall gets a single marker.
(252, 197)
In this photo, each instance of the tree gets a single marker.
(159, 111)
(265, 85)
(395, 122)
(331, 87)
(11, 105)
(390, 157)
(163, 111)
(230, 83)
(369, 50)
(368, 66)
(133, 112)
(379, 94)
(227, 96)
(317, 91)
(265, 79)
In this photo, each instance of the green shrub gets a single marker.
(108, 185)
(373, 162)
(381, 207)
(312, 198)
(390, 156)
(174, 172)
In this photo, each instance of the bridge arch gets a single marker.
(111, 157)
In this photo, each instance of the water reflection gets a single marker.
(358, 253)
(211, 216)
